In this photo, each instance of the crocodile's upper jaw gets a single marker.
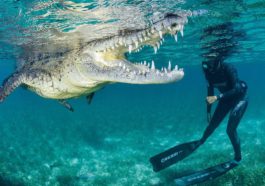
(109, 55)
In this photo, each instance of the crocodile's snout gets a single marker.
(111, 52)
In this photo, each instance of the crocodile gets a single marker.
(86, 69)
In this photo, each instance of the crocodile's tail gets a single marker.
(9, 85)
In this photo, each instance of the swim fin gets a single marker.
(206, 174)
(173, 155)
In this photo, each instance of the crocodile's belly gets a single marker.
(64, 92)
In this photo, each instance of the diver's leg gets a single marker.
(234, 119)
(220, 112)
(10, 84)
(66, 105)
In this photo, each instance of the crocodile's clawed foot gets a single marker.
(89, 97)
(66, 105)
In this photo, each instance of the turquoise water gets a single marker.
(110, 141)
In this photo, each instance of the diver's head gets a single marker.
(211, 66)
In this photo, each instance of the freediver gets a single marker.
(220, 42)
(223, 77)
(232, 98)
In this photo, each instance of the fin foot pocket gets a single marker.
(206, 174)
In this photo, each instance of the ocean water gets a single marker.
(110, 141)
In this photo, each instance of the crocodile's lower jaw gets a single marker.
(110, 54)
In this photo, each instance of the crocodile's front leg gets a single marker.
(89, 97)
(66, 105)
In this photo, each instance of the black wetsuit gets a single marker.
(232, 99)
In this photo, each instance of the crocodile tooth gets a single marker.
(169, 28)
(155, 49)
(153, 65)
(136, 44)
(176, 37)
(158, 45)
(176, 67)
(161, 42)
(181, 30)
(144, 62)
(130, 48)
(169, 65)
(148, 65)
(123, 67)
(120, 64)
(157, 72)
(165, 70)
(160, 34)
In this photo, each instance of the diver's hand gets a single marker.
(209, 117)
(211, 99)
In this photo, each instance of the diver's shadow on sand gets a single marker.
(92, 136)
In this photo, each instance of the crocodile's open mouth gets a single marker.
(110, 53)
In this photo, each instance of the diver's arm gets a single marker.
(210, 92)
(233, 78)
